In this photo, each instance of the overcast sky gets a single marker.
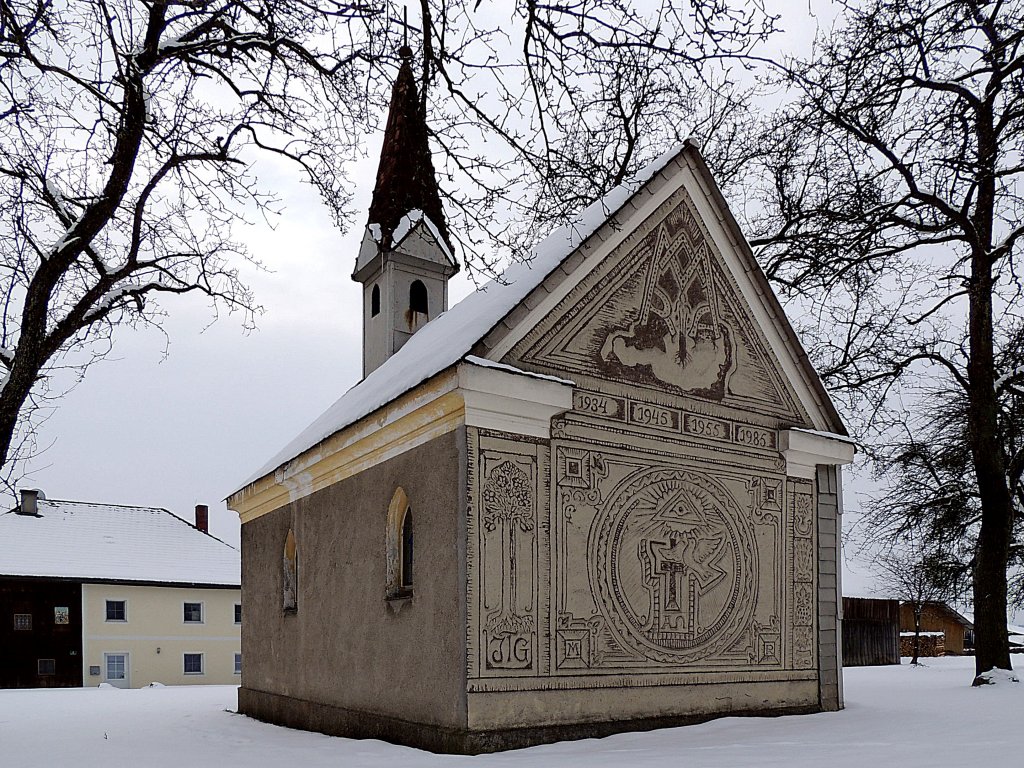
(184, 419)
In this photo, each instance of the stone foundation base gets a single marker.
(338, 721)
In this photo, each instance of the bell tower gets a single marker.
(406, 255)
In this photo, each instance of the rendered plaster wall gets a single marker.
(829, 627)
(347, 650)
(154, 637)
(576, 709)
(653, 559)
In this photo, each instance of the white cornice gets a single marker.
(509, 400)
(805, 449)
(478, 394)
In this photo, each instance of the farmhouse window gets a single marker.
(193, 613)
(22, 621)
(117, 610)
(193, 663)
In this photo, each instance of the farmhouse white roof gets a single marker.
(110, 542)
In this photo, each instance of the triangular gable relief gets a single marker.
(665, 316)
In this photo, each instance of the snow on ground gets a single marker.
(902, 716)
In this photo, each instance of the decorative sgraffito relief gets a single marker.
(663, 316)
(662, 539)
(803, 577)
(766, 507)
(678, 336)
(675, 420)
(507, 515)
(664, 568)
(675, 566)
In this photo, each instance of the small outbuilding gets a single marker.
(871, 632)
(937, 616)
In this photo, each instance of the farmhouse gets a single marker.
(103, 593)
(602, 493)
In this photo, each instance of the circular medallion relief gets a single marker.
(676, 565)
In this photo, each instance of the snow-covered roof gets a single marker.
(450, 336)
(406, 225)
(485, 363)
(110, 542)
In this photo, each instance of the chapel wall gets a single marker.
(830, 631)
(672, 561)
(582, 608)
(347, 651)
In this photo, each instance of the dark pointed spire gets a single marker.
(405, 176)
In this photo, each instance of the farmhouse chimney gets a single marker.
(30, 501)
(203, 518)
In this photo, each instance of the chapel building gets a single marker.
(600, 494)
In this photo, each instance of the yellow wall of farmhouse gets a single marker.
(155, 636)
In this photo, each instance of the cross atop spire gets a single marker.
(405, 176)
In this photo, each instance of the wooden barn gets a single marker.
(871, 632)
(939, 617)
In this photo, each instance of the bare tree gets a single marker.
(128, 129)
(929, 489)
(918, 575)
(126, 134)
(893, 219)
(549, 108)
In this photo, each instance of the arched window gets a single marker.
(418, 297)
(290, 574)
(407, 550)
(399, 547)
(375, 301)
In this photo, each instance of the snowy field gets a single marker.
(903, 716)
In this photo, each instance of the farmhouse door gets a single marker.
(115, 669)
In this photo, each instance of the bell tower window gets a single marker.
(418, 297)
(375, 301)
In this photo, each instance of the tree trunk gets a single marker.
(991, 642)
(917, 635)
(22, 376)
(993, 551)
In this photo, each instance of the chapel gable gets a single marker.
(663, 317)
